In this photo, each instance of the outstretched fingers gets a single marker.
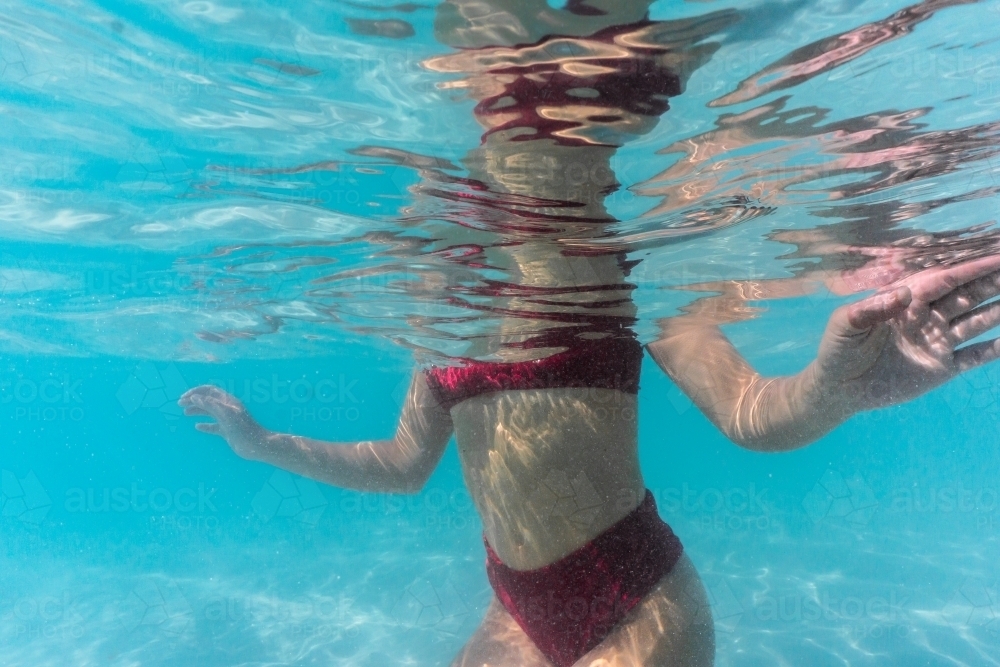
(192, 397)
(977, 354)
(966, 297)
(196, 402)
(209, 401)
(975, 323)
(933, 284)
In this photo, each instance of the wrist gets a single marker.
(828, 397)
(257, 443)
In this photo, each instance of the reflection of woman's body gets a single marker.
(535, 426)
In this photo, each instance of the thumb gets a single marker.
(878, 308)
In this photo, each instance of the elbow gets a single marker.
(397, 479)
(752, 433)
(410, 484)
(384, 467)
(765, 447)
(770, 444)
(409, 476)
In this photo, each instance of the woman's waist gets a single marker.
(556, 514)
(544, 418)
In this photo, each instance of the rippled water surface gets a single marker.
(299, 201)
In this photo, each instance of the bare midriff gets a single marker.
(549, 469)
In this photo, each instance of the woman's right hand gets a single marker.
(900, 343)
(232, 420)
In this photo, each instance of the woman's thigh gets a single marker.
(671, 627)
(499, 642)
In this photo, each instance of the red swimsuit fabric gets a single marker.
(568, 607)
(610, 363)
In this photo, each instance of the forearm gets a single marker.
(400, 464)
(383, 466)
(759, 413)
(779, 414)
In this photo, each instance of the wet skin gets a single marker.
(516, 446)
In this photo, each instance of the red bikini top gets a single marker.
(608, 363)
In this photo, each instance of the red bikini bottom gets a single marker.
(568, 607)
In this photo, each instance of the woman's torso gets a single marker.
(547, 429)
(551, 467)
(548, 469)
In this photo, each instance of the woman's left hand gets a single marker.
(905, 340)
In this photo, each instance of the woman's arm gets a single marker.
(758, 413)
(883, 350)
(401, 464)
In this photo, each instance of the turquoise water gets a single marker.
(196, 192)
